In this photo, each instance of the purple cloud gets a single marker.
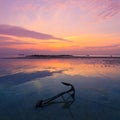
(108, 8)
(22, 32)
(100, 8)
(5, 41)
(13, 43)
(105, 47)
(4, 38)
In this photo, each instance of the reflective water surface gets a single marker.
(23, 82)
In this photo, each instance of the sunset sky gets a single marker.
(59, 27)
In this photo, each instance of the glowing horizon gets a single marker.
(59, 27)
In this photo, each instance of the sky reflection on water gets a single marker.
(85, 67)
(24, 82)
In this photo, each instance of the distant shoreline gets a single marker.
(59, 57)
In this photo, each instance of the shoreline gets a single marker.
(61, 57)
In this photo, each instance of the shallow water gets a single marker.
(23, 82)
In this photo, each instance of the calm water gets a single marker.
(24, 82)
